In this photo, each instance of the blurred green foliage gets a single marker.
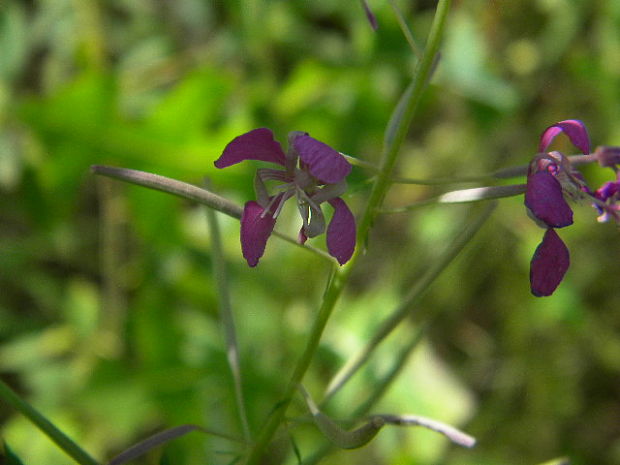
(109, 318)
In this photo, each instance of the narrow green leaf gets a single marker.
(404, 27)
(158, 439)
(364, 434)
(7, 456)
(402, 311)
(397, 115)
(340, 437)
(296, 450)
(476, 194)
(46, 426)
(152, 442)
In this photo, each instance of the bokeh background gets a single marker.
(108, 313)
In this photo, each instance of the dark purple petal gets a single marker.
(544, 198)
(254, 145)
(548, 265)
(255, 230)
(324, 163)
(573, 128)
(372, 19)
(341, 232)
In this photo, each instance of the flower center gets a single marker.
(304, 180)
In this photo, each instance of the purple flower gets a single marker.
(608, 194)
(312, 171)
(544, 198)
(551, 179)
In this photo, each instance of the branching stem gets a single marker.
(340, 275)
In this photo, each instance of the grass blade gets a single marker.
(227, 317)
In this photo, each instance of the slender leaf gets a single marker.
(159, 439)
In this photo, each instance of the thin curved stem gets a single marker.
(404, 27)
(422, 182)
(503, 173)
(226, 316)
(171, 186)
(477, 194)
(191, 192)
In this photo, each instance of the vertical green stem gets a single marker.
(59, 438)
(394, 143)
(332, 293)
(226, 316)
(340, 275)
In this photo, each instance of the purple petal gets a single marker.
(544, 198)
(341, 232)
(372, 19)
(254, 145)
(324, 163)
(573, 128)
(608, 190)
(548, 265)
(255, 230)
(608, 156)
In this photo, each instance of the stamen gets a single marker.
(284, 187)
(287, 195)
(306, 198)
(268, 174)
(269, 205)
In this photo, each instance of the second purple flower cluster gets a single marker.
(551, 179)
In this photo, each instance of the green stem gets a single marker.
(503, 173)
(441, 181)
(46, 426)
(227, 317)
(404, 27)
(340, 275)
(394, 143)
(477, 194)
(404, 308)
(191, 192)
(332, 293)
(423, 182)
(380, 388)
(382, 385)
